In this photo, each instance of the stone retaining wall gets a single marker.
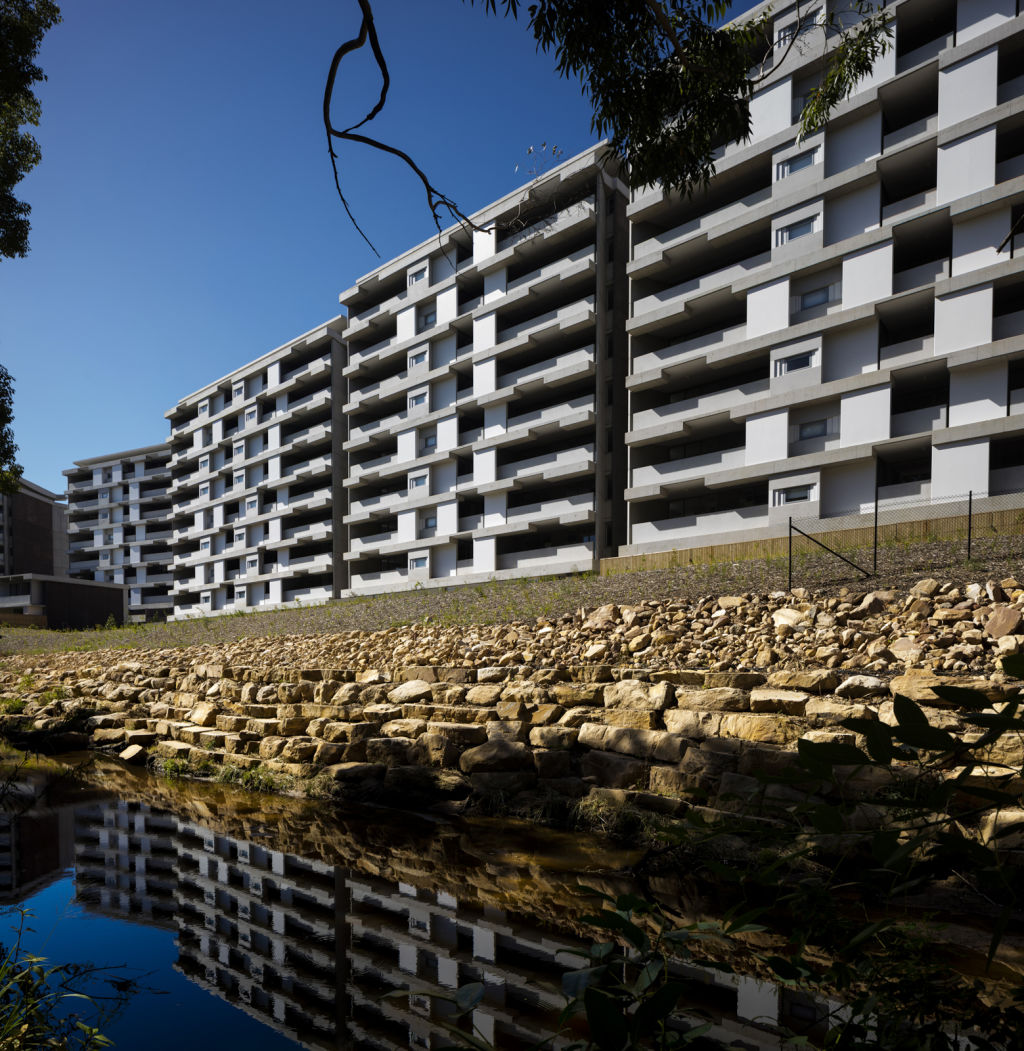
(662, 740)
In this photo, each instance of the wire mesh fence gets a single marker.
(889, 537)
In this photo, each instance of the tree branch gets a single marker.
(669, 30)
(436, 200)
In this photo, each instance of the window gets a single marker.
(430, 522)
(239, 536)
(250, 505)
(204, 464)
(204, 406)
(104, 494)
(204, 545)
(817, 297)
(104, 516)
(416, 481)
(415, 276)
(250, 416)
(252, 563)
(240, 449)
(419, 562)
(238, 391)
(794, 363)
(206, 599)
(240, 478)
(240, 594)
(813, 429)
(204, 490)
(417, 398)
(784, 35)
(795, 494)
(430, 441)
(419, 358)
(792, 165)
(798, 229)
(426, 318)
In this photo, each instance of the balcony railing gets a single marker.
(918, 421)
(688, 467)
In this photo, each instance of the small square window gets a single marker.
(204, 464)
(419, 358)
(419, 562)
(430, 522)
(252, 563)
(240, 593)
(206, 600)
(204, 406)
(238, 391)
(795, 230)
(204, 545)
(240, 449)
(430, 441)
(240, 479)
(250, 416)
(813, 429)
(239, 536)
(104, 516)
(417, 399)
(417, 480)
(794, 494)
(250, 505)
(792, 165)
(204, 490)
(794, 363)
(415, 276)
(815, 298)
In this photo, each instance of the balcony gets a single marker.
(919, 276)
(904, 208)
(651, 309)
(926, 126)
(383, 578)
(564, 319)
(654, 248)
(925, 53)
(549, 371)
(903, 493)
(580, 261)
(537, 558)
(906, 352)
(918, 421)
(370, 504)
(551, 465)
(670, 530)
(1011, 168)
(361, 471)
(553, 417)
(1006, 325)
(688, 469)
(672, 417)
(362, 545)
(567, 219)
(1010, 90)
(307, 469)
(661, 360)
(578, 508)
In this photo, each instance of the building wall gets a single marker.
(837, 316)
(253, 482)
(30, 531)
(119, 528)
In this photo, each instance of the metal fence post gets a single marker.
(970, 521)
(789, 586)
(874, 561)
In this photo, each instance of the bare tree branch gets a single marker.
(437, 201)
(668, 29)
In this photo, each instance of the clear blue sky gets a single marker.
(184, 218)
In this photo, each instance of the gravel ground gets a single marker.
(506, 601)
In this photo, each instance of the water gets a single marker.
(262, 922)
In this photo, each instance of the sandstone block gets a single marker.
(717, 699)
(134, 754)
(773, 729)
(551, 763)
(1004, 620)
(462, 735)
(349, 772)
(174, 750)
(637, 720)
(204, 715)
(272, 747)
(410, 692)
(299, 750)
(861, 686)
(814, 680)
(389, 751)
(111, 735)
(509, 729)
(404, 728)
(508, 782)
(484, 694)
(738, 680)
(646, 744)
(825, 710)
(577, 694)
(771, 699)
(438, 750)
(613, 771)
(511, 710)
(693, 724)
(546, 714)
(636, 695)
(496, 755)
(553, 737)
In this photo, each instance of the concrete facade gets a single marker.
(33, 533)
(119, 525)
(479, 391)
(253, 482)
(838, 317)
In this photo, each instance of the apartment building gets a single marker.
(252, 481)
(119, 525)
(839, 317)
(33, 534)
(478, 391)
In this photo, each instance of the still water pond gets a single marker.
(259, 922)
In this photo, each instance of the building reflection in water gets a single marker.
(311, 948)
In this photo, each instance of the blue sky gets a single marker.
(184, 218)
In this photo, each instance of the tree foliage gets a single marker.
(23, 23)
(10, 470)
(670, 83)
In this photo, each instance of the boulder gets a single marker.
(637, 695)
(410, 692)
(1003, 620)
(496, 755)
(717, 699)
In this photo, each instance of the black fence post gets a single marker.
(874, 542)
(970, 521)
(789, 586)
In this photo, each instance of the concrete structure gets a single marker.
(33, 533)
(478, 391)
(842, 316)
(253, 483)
(119, 525)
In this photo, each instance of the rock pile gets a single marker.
(662, 704)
